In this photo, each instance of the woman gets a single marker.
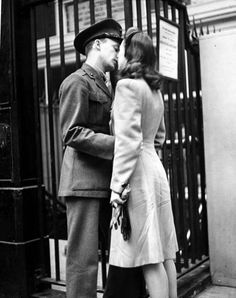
(138, 123)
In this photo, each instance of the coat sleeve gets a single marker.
(127, 111)
(74, 113)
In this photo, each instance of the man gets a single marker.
(85, 104)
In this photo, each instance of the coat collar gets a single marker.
(97, 77)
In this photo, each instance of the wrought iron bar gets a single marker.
(92, 11)
(183, 237)
(201, 151)
(45, 142)
(149, 18)
(183, 201)
(52, 147)
(194, 153)
(109, 10)
(157, 17)
(173, 14)
(165, 8)
(128, 9)
(173, 170)
(103, 261)
(191, 199)
(61, 37)
(76, 26)
(139, 14)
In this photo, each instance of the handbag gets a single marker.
(125, 222)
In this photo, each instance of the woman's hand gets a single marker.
(116, 203)
(116, 199)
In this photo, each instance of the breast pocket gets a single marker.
(99, 108)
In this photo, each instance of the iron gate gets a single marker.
(54, 25)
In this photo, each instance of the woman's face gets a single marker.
(121, 56)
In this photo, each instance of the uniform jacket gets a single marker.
(85, 104)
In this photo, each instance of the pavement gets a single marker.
(211, 292)
(198, 283)
(217, 292)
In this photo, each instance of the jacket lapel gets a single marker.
(101, 84)
(92, 73)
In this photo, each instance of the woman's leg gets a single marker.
(171, 275)
(156, 280)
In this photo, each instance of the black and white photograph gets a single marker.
(117, 148)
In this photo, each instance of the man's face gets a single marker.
(109, 50)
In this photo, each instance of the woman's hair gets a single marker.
(141, 59)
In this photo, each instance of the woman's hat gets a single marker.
(107, 28)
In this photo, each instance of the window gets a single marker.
(69, 8)
(100, 12)
(83, 14)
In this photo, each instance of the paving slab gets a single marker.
(217, 292)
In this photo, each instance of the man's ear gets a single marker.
(97, 44)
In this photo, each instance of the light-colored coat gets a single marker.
(137, 118)
(135, 104)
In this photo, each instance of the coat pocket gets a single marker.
(98, 109)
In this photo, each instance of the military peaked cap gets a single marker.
(107, 28)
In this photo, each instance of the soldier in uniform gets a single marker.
(85, 104)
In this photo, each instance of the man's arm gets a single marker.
(74, 117)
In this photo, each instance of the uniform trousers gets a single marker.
(85, 217)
